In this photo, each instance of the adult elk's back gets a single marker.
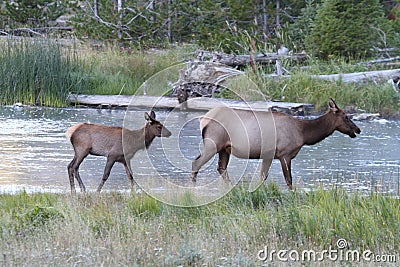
(102, 140)
(264, 135)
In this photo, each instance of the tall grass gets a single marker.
(136, 230)
(121, 72)
(38, 72)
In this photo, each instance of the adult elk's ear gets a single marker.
(332, 105)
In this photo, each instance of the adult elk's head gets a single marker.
(342, 122)
(154, 127)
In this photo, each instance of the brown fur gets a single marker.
(251, 134)
(71, 130)
(102, 140)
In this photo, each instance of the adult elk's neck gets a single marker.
(316, 130)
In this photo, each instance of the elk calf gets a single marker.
(264, 135)
(102, 140)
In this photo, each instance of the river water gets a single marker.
(34, 153)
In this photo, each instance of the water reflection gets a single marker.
(34, 153)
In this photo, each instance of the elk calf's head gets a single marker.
(154, 127)
(342, 122)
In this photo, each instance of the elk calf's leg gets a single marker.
(129, 175)
(71, 176)
(73, 170)
(78, 178)
(107, 171)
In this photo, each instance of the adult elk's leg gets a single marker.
(107, 171)
(266, 164)
(286, 164)
(223, 161)
(255, 183)
(206, 154)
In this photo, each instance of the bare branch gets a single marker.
(97, 17)
(150, 4)
(96, 8)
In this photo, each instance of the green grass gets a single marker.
(136, 230)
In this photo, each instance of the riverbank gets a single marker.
(134, 229)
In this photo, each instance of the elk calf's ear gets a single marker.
(332, 105)
(150, 118)
(147, 117)
(152, 115)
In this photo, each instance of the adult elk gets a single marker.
(264, 135)
(102, 140)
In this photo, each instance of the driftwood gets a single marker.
(378, 61)
(366, 116)
(201, 79)
(243, 60)
(198, 103)
(377, 76)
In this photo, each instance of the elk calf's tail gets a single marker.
(70, 131)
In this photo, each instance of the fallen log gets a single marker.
(378, 61)
(243, 60)
(197, 103)
(377, 76)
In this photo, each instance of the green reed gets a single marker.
(38, 72)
